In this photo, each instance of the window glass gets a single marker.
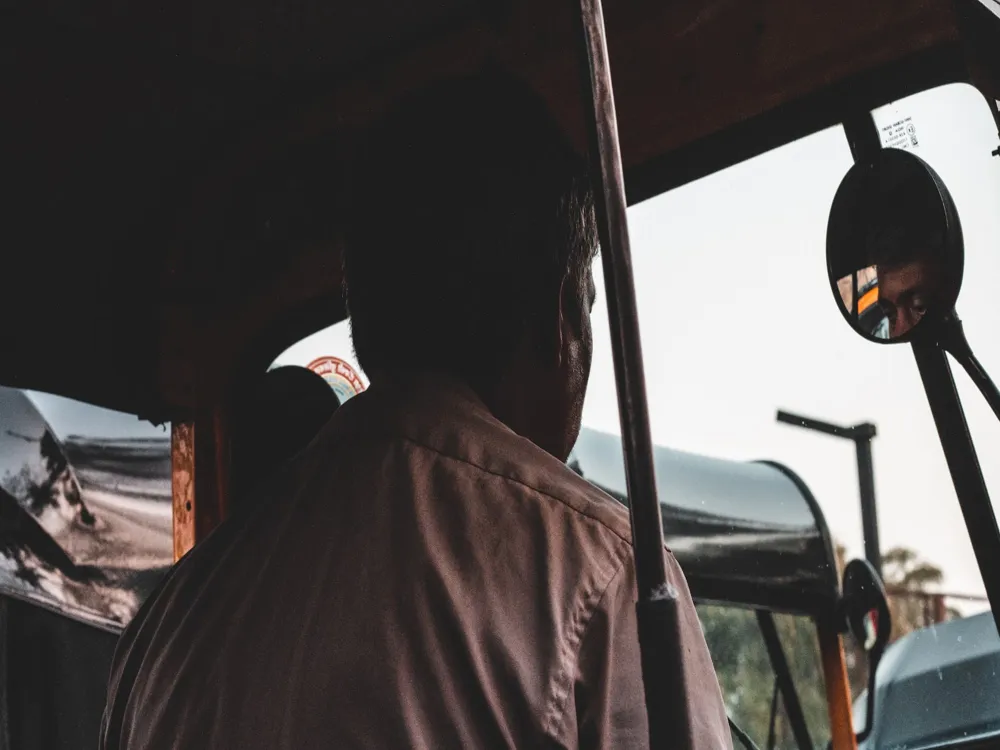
(800, 641)
(741, 663)
(738, 321)
(951, 128)
(328, 352)
(87, 492)
(748, 680)
(933, 682)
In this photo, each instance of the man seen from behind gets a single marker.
(430, 573)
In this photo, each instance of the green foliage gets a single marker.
(903, 567)
(744, 667)
(748, 680)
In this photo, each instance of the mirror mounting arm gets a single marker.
(951, 336)
(862, 136)
(963, 464)
(995, 111)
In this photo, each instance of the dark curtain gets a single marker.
(56, 679)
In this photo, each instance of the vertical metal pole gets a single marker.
(863, 434)
(659, 643)
(623, 316)
(783, 676)
(960, 453)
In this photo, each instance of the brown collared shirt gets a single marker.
(419, 577)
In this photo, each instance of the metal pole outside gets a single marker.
(862, 436)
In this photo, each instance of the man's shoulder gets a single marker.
(496, 451)
(555, 480)
(476, 441)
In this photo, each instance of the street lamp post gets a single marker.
(862, 435)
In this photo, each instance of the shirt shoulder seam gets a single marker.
(516, 481)
(560, 690)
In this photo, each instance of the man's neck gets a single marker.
(516, 398)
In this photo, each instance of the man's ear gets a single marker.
(562, 320)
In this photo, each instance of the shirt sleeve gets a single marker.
(124, 665)
(609, 701)
(118, 689)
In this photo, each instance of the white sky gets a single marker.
(738, 321)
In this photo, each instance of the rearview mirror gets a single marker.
(866, 609)
(895, 253)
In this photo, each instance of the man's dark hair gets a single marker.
(897, 240)
(469, 209)
(902, 220)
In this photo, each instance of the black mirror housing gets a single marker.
(895, 251)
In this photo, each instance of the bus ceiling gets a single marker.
(195, 186)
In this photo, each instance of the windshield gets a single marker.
(760, 331)
(329, 353)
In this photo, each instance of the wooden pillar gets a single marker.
(200, 472)
(940, 612)
(838, 688)
(182, 485)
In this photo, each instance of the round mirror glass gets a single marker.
(894, 248)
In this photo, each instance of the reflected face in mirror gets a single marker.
(892, 298)
(868, 316)
(906, 291)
